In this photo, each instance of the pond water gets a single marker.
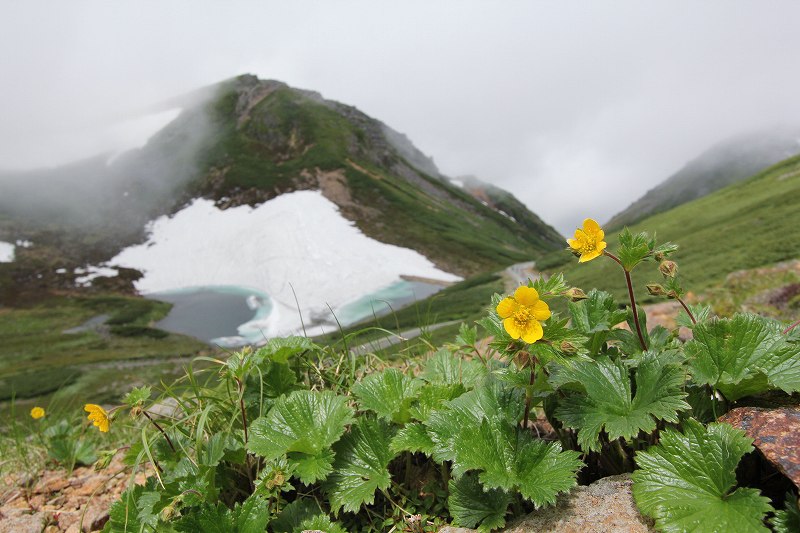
(214, 313)
(232, 316)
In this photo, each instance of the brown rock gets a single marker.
(775, 432)
(17, 522)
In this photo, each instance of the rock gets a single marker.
(604, 506)
(775, 432)
(23, 522)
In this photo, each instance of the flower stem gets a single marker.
(241, 408)
(790, 328)
(633, 299)
(528, 395)
(686, 308)
(169, 441)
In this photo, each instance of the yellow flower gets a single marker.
(588, 241)
(98, 416)
(37, 413)
(521, 314)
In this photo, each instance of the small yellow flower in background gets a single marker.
(521, 314)
(98, 416)
(588, 241)
(37, 413)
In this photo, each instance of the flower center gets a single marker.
(589, 245)
(522, 316)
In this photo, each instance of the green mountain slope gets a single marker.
(745, 225)
(726, 163)
(250, 141)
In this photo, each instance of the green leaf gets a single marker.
(303, 424)
(788, 519)
(469, 504)
(547, 287)
(208, 519)
(412, 438)
(361, 466)
(252, 515)
(513, 460)
(389, 394)
(321, 522)
(492, 400)
(701, 313)
(312, 468)
(467, 336)
(123, 515)
(432, 397)
(606, 403)
(564, 344)
(137, 396)
(685, 482)
(597, 313)
(633, 249)
(281, 349)
(290, 518)
(744, 355)
(447, 369)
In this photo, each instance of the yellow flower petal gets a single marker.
(506, 307)
(533, 332)
(512, 328)
(591, 226)
(541, 311)
(525, 295)
(37, 413)
(98, 416)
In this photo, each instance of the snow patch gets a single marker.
(297, 242)
(457, 182)
(6, 252)
(90, 273)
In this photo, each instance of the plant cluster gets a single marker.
(296, 436)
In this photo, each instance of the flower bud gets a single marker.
(668, 268)
(659, 256)
(568, 348)
(655, 289)
(672, 294)
(575, 294)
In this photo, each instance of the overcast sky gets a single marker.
(578, 108)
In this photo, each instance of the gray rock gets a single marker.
(604, 506)
(22, 522)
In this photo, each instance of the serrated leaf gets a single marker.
(564, 344)
(290, 518)
(447, 369)
(303, 424)
(607, 403)
(469, 504)
(547, 287)
(388, 394)
(208, 519)
(491, 400)
(700, 312)
(148, 507)
(467, 336)
(512, 460)
(311, 468)
(744, 355)
(597, 313)
(412, 438)
(433, 396)
(252, 515)
(123, 515)
(633, 249)
(321, 522)
(361, 465)
(787, 520)
(137, 396)
(281, 349)
(685, 482)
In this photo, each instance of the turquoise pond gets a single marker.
(214, 314)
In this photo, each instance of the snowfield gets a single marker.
(6, 252)
(297, 240)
